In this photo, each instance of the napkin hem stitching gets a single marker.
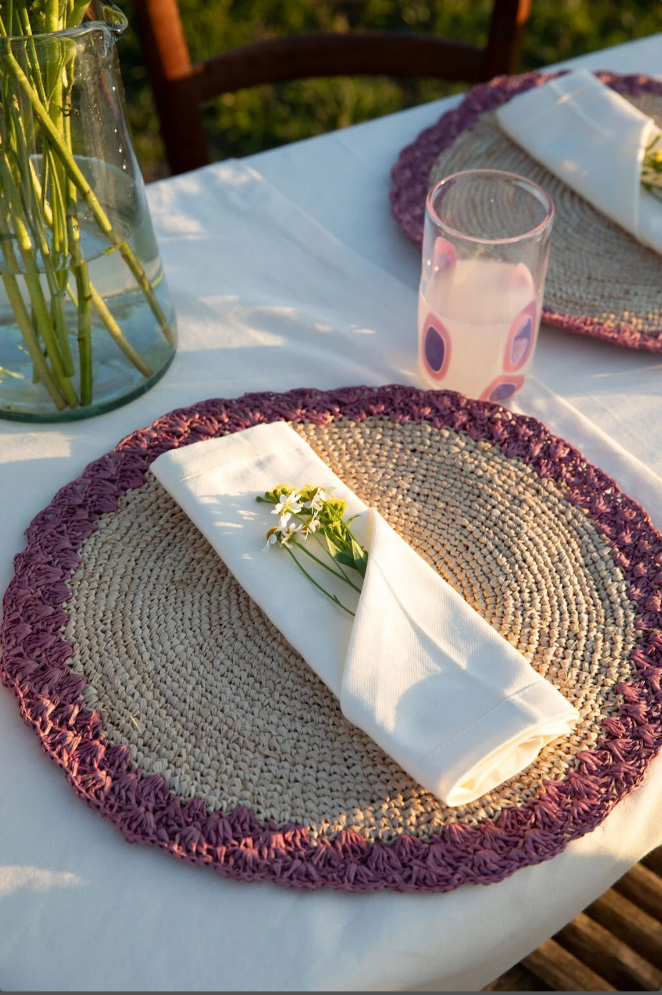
(509, 698)
(218, 466)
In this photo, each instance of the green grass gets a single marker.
(264, 117)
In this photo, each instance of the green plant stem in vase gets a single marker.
(86, 321)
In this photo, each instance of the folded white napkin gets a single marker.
(594, 140)
(417, 669)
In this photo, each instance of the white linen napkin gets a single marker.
(594, 140)
(417, 669)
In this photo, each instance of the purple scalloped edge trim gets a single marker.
(410, 177)
(34, 664)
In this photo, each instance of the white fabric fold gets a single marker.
(594, 140)
(417, 669)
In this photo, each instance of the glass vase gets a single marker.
(86, 321)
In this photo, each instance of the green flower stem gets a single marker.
(26, 29)
(58, 223)
(84, 332)
(34, 213)
(76, 176)
(52, 13)
(59, 320)
(26, 208)
(32, 343)
(98, 302)
(44, 326)
(326, 550)
(82, 277)
(84, 307)
(77, 12)
(58, 211)
(139, 275)
(339, 570)
(41, 311)
(33, 284)
(341, 576)
(331, 597)
(53, 66)
(115, 332)
(59, 206)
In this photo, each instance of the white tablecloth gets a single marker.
(79, 908)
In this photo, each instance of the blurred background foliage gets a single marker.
(264, 117)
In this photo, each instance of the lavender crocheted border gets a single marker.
(410, 178)
(34, 665)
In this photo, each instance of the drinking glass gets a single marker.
(485, 252)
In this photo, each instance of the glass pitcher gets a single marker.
(86, 321)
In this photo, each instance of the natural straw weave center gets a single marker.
(187, 670)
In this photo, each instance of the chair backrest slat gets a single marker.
(369, 53)
(180, 87)
(504, 41)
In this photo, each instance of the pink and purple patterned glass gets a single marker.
(485, 252)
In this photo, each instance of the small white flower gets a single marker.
(283, 531)
(272, 538)
(311, 525)
(290, 529)
(317, 500)
(288, 504)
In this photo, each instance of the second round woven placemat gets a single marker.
(179, 711)
(601, 281)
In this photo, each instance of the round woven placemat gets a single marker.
(179, 712)
(601, 281)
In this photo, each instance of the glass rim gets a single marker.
(116, 22)
(500, 173)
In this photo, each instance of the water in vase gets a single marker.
(124, 364)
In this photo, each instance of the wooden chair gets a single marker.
(614, 945)
(180, 87)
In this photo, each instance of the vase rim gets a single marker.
(110, 18)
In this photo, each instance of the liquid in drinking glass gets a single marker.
(480, 299)
(478, 323)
